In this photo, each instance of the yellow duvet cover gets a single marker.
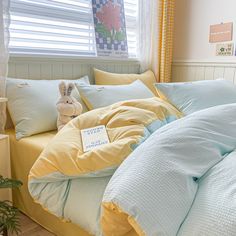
(62, 162)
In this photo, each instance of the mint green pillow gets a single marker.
(190, 97)
(96, 96)
(32, 104)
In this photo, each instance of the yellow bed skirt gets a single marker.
(23, 155)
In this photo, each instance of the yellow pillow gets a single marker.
(107, 78)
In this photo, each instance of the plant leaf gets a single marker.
(9, 217)
(9, 183)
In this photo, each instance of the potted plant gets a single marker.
(9, 215)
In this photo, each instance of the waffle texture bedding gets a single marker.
(184, 174)
(169, 176)
(214, 208)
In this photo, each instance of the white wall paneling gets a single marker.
(199, 70)
(66, 68)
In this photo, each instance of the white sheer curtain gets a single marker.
(4, 56)
(149, 34)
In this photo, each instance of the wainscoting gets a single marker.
(197, 70)
(70, 68)
(66, 68)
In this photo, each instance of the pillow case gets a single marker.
(96, 96)
(32, 104)
(107, 78)
(194, 96)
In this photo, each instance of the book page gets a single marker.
(94, 137)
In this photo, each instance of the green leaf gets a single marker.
(9, 217)
(9, 183)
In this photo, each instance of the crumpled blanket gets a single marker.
(128, 125)
(170, 180)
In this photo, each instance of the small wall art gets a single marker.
(225, 49)
(110, 28)
(221, 32)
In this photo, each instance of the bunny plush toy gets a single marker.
(67, 106)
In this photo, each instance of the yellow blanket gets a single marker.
(128, 124)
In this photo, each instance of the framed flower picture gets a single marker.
(110, 28)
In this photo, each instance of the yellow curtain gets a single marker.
(166, 14)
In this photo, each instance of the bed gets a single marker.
(25, 152)
(131, 185)
(181, 164)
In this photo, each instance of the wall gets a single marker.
(194, 57)
(192, 21)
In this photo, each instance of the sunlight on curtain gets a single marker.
(148, 35)
(166, 25)
(4, 56)
(156, 24)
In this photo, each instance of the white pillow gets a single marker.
(96, 96)
(32, 104)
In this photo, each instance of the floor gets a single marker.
(30, 228)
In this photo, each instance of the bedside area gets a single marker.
(5, 165)
(5, 161)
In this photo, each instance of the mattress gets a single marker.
(23, 155)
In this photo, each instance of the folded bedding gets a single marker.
(159, 175)
(63, 168)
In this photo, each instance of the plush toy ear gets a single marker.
(70, 87)
(62, 88)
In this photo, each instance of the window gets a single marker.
(61, 27)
